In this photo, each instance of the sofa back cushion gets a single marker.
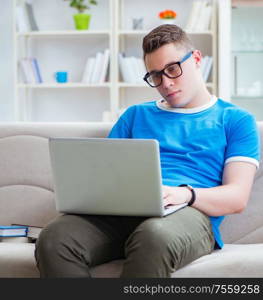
(247, 227)
(26, 185)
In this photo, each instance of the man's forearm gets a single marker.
(221, 200)
(230, 197)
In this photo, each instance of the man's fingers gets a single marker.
(167, 201)
(165, 192)
(165, 195)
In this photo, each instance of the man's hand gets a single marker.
(175, 195)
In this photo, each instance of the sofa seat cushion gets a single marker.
(17, 260)
(234, 260)
(231, 261)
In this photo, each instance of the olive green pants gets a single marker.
(152, 247)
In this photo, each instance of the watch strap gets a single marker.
(191, 189)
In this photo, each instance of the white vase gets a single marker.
(168, 21)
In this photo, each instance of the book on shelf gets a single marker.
(36, 70)
(206, 67)
(25, 70)
(136, 71)
(25, 19)
(132, 68)
(31, 16)
(207, 17)
(22, 23)
(192, 19)
(97, 67)
(95, 70)
(86, 77)
(129, 70)
(104, 67)
(30, 70)
(124, 69)
(13, 231)
(142, 70)
(200, 17)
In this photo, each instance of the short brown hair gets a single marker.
(166, 34)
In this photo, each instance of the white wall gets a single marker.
(6, 62)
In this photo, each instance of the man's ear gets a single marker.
(197, 55)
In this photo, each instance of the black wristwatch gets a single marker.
(191, 189)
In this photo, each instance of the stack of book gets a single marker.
(30, 70)
(13, 230)
(200, 17)
(13, 233)
(206, 67)
(19, 233)
(132, 69)
(25, 19)
(95, 71)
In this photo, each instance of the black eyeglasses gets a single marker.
(173, 70)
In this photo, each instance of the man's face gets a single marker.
(181, 91)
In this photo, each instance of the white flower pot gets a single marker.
(168, 21)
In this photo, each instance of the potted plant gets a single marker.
(167, 16)
(81, 19)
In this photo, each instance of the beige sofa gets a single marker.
(27, 197)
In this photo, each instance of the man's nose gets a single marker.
(166, 81)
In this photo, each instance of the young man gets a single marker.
(209, 155)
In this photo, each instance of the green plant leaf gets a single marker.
(94, 2)
(80, 6)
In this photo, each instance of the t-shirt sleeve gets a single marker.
(243, 141)
(122, 128)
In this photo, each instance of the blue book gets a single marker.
(13, 230)
(36, 70)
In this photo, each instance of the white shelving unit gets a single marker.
(58, 46)
(247, 56)
(130, 41)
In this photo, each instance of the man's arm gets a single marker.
(229, 198)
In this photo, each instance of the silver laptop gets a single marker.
(108, 176)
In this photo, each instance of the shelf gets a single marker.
(70, 49)
(139, 85)
(83, 85)
(247, 52)
(133, 32)
(63, 33)
(247, 97)
(208, 32)
(144, 32)
(63, 85)
(131, 85)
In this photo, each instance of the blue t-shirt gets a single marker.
(195, 143)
